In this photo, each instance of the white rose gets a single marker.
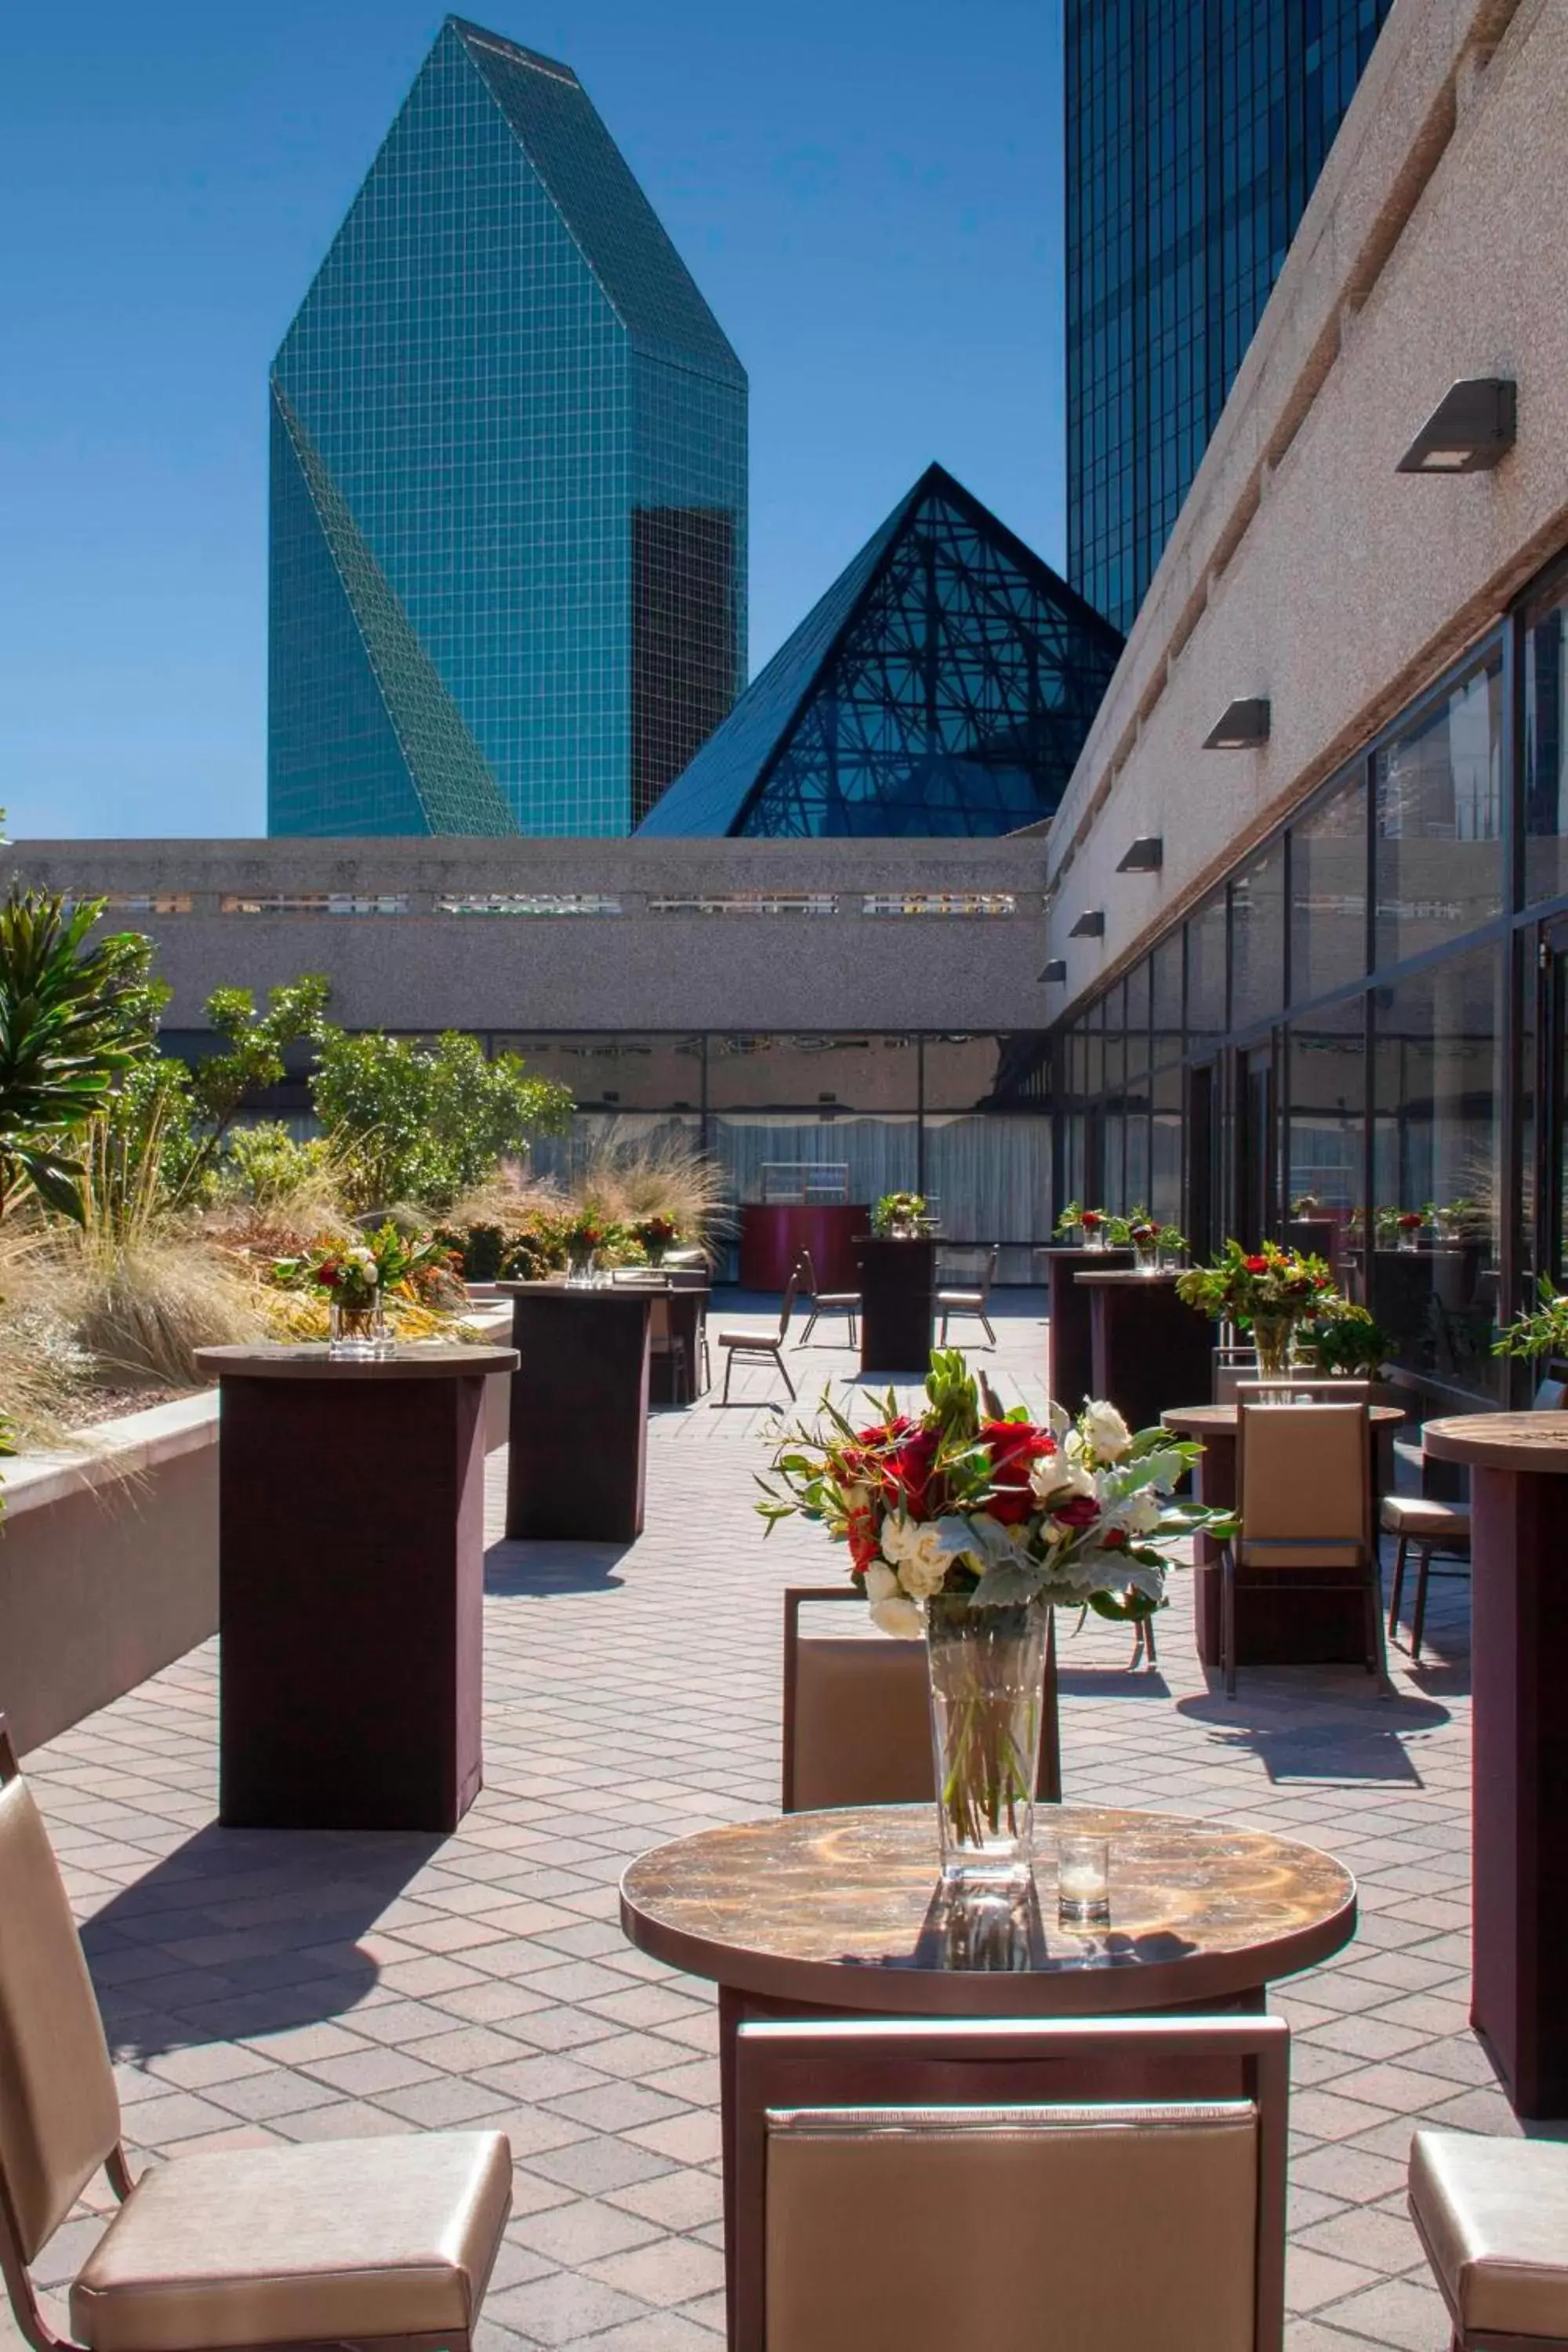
(891, 1611)
(897, 1536)
(923, 1570)
(1060, 1477)
(1139, 1515)
(1106, 1430)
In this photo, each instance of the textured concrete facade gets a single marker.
(648, 966)
(1304, 568)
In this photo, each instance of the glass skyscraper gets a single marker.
(1196, 132)
(509, 481)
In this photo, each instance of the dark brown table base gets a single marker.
(350, 1588)
(1519, 1657)
(1149, 1350)
(578, 1456)
(898, 1290)
(1069, 1352)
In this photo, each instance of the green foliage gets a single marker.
(898, 1211)
(426, 1123)
(1542, 1332)
(1344, 1338)
(73, 1017)
(256, 1043)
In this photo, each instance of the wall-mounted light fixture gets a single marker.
(1473, 425)
(1056, 970)
(1146, 855)
(1091, 925)
(1244, 726)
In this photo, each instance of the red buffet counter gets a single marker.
(773, 1233)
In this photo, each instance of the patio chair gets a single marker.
(857, 1715)
(365, 2241)
(665, 1345)
(1492, 2218)
(943, 2184)
(1304, 1500)
(1433, 1527)
(971, 1302)
(825, 1302)
(761, 1343)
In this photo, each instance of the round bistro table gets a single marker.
(1519, 1655)
(1274, 1626)
(842, 1912)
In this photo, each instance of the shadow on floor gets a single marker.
(242, 1932)
(511, 1568)
(1358, 1748)
(1111, 1682)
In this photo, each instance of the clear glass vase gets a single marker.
(580, 1266)
(1271, 1337)
(1146, 1257)
(357, 1333)
(987, 1699)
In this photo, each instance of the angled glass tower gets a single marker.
(1196, 132)
(943, 685)
(509, 481)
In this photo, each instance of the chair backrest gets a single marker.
(988, 1273)
(60, 2115)
(861, 2143)
(1304, 1484)
(787, 1308)
(806, 1272)
(658, 1319)
(1551, 1396)
(857, 1715)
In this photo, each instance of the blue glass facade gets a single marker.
(943, 685)
(509, 481)
(1196, 132)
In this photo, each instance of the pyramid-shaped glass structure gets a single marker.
(509, 480)
(943, 685)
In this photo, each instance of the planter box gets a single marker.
(108, 1556)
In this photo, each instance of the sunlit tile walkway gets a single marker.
(262, 1987)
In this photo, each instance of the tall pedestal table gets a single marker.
(577, 1457)
(351, 1585)
(1148, 1350)
(1069, 1358)
(897, 1300)
(1519, 1724)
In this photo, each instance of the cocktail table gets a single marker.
(814, 1913)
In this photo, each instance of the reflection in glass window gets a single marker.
(1327, 893)
(1165, 1006)
(1257, 940)
(1207, 970)
(1439, 821)
(1437, 1146)
(960, 1070)
(765, 1070)
(1546, 752)
(1325, 1130)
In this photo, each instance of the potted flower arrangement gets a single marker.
(1154, 1244)
(356, 1279)
(657, 1236)
(1402, 1227)
(1342, 1337)
(584, 1236)
(967, 1525)
(899, 1216)
(1268, 1292)
(1097, 1228)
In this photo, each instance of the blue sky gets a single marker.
(867, 194)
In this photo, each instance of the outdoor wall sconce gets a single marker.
(1244, 726)
(1146, 855)
(1056, 970)
(1473, 425)
(1091, 925)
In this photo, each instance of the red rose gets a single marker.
(864, 1546)
(331, 1276)
(1114, 1539)
(1079, 1511)
(1014, 1446)
(1258, 1265)
(1091, 1217)
(906, 1474)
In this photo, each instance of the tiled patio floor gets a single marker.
(262, 1987)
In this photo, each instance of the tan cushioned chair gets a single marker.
(938, 2188)
(1493, 2217)
(389, 2241)
(1303, 1486)
(856, 1728)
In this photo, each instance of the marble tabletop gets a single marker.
(1501, 1440)
(844, 1908)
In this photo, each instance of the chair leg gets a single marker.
(728, 1368)
(1227, 1620)
(1376, 1655)
(989, 1333)
(810, 1328)
(942, 1340)
(854, 1334)
(1401, 1551)
(1418, 1614)
(778, 1359)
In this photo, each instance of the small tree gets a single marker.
(425, 1123)
(73, 1018)
(257, 1044)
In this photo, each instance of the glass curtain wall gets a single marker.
(1361, 1017)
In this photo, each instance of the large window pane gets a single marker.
(766, 1072)
(1546, 752)
(1325, 1125)
(990, 1178)
(1207, 971)
(1165, 1012)
(1257, 940)
(1115, 1039)
(1439, 821)
(1436, 1141)
(619, 1071)
(1165, 1149)
(1327, 893)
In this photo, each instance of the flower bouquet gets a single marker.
(657, 1236)
(357, 1278)
(1267, 1291)
(899, 1216)
(967, 1525)
(584, 1236)
(1097, 1228)
(1402, 1227)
